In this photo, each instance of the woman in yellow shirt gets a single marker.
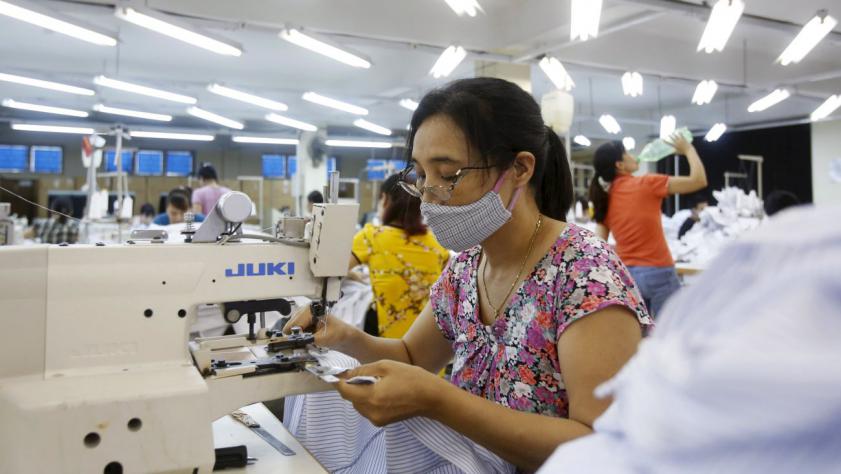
(403, 257)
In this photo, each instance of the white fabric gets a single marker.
(743, 372)
(345, 442)
(354, 304)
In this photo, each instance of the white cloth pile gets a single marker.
(736, 213)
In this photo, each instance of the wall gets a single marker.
(230, 159)
(787, 152)
(826, 147)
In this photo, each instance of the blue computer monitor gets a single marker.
(149, 163)
(14, 158)
(46, 159)
(179, 163)
(274, 166)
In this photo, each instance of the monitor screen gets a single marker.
(274, 166)
(331, 165)
(292, 165)
(377, 170)
(111, 161)
(179, 163)
(47, 159)
(14, 158)
(149, 163)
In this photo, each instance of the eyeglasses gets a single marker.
(412, 183)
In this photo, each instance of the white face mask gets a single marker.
(459, 228)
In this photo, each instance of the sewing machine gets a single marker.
(98, 374)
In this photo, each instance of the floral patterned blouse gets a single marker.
(514, 361)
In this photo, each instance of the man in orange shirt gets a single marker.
(629, 206)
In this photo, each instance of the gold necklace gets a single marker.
(519, 274)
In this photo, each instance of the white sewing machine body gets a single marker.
(96, 364)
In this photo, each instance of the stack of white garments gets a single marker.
(735, 214)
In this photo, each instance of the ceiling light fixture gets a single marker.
(317, 46)
(715, 132)
(582, 140)
(333, 103)
(219, 89)
(372, 127)
(264, 140)
(409, 104)
(668, 124)
(43, 108)
(288, 122)
(357, 144)
(171, 136)
(464, 7)
(809, 37)
(585, 16)
(610, 124)
(629, 143)
(769, 100)
(556, 73)
(215, 118)
(31, 127)
(448, 61)
(632, 84)
(723, 19)
(169, 26)
(131, 113)
(51, 21)
(705, 92)
(55, 86)
(825, 109)
(143, 90)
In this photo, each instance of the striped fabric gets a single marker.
(345, 442)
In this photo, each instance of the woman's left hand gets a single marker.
(402, 391)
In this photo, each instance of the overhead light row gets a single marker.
(705, 92)
(556, 73)
(632, 84)
(464, 7)
(585, 16)
(448, 61)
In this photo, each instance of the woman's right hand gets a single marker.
(331, 332)
(681, 146)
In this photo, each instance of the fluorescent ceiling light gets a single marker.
(632, 84)
(723, 18)
(585, 19)
(826, 108)
(357, 144)
(131, 113)
(52, 22)
(333, 103)
(705, 92)
(247, 98)
(317, 46)
(175, 29)
(31, 127)
(43, 108)
(667, 126)
(264, 140)
(809, 37)
(556, 73)
(171, 136)
(372, 127)
(610, 124)
(280, 119)
(409, 104)
(56, 86)
(629, 143)
(716, 132)
(211, 117)
(448, 61)
(143, 90)
(464, 7)
(769, 100)
(582, 140)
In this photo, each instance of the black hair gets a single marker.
(64, 206)
(500, 119)
(178, 199)
(402, 210)
(208, 173)
(147, 210)
(698, 199)
(315, 197)
(604, 163)
(778, 200)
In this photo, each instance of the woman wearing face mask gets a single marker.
(629, 206)
(534, 312)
